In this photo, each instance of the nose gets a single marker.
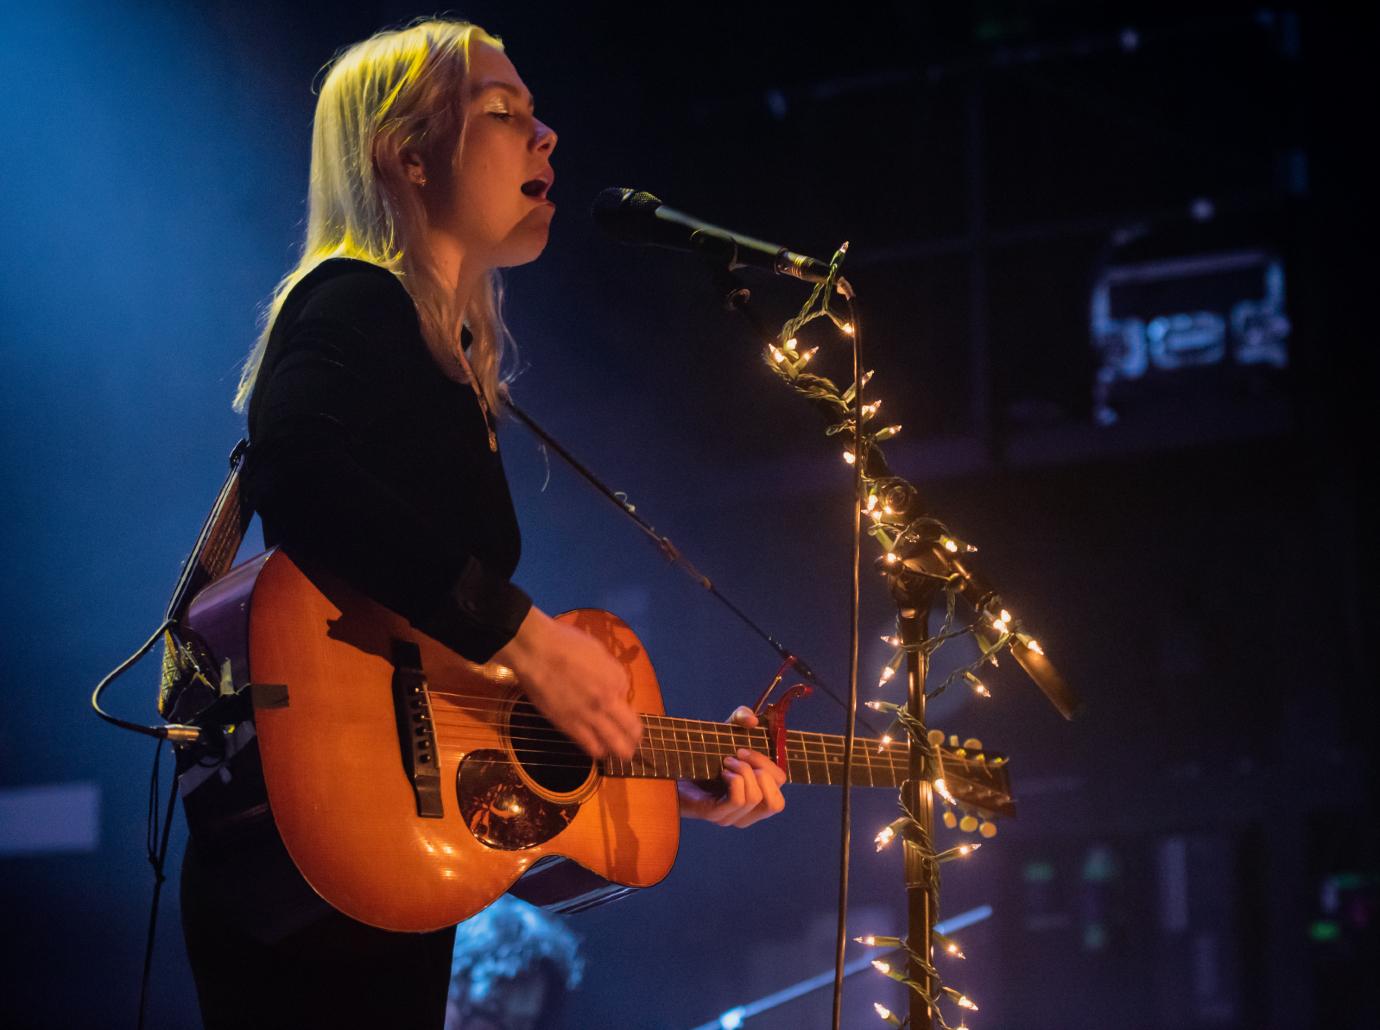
(545, 138)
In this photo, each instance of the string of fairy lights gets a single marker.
(913, 547)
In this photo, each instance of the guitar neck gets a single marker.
(692, 749)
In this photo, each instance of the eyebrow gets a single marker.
(507, 87)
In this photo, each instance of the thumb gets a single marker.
(743, 716)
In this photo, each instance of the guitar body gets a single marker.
(410, 786)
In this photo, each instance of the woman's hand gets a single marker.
(575, 683)
(752, 784)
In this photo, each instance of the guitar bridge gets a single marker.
(416, 731)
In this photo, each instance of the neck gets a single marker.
(461, 275)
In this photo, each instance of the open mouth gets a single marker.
(536, 188)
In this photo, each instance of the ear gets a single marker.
(414, 169)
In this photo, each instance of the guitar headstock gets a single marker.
(978, 780)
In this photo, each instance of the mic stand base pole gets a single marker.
(919, 799)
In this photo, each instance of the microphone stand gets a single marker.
(928, 562)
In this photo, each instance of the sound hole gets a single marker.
(546, 754)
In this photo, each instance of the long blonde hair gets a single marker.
(398, 89)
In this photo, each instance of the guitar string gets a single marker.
(808, 740)
(662, 738)
(699, 725)
(649, 751)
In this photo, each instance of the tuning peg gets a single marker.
(973, 744)
(935, 737)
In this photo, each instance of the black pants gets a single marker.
(267, 953)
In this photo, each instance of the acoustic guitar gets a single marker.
(412, 787)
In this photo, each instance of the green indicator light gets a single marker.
(1037, 872)
(1324, 930)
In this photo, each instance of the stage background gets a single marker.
(1198, 851)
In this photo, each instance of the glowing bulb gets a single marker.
(1034, 645)
(885, 837)
(847, 327)
(1000, 625)
(882, 1010)
(880, 966)
(877, 706)
(891, 558)
(949, 544)
(871, 409)
(791, 343)
(893, 641)
(875, 515)
(942, 789)
(805, 358)
(871, 501)
(867, 376)
(1005, 615)
(849, 457)
(954, 950)
(867, 939)
(965, 1002)
(885, 742)
(887, 674)
(777, 354)
(964, 850)
(979, 688)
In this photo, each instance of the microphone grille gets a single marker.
(622, 212)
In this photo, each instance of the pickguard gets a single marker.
(500, 810)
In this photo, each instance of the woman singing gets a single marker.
(372, 394)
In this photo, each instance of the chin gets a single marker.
(523, 252)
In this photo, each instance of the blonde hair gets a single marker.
(397, 90)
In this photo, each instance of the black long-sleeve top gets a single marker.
(366, 458)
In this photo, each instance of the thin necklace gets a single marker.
(479, 396)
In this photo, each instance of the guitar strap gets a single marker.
(212, 555)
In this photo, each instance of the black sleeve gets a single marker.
(323, 432)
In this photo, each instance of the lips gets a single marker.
(538, 187)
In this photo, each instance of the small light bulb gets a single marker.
(887, 674)
(882, 1010)
(1034, 645)
(875, 515)
(965, 1002)
(867, 376)
(891, 558)
(885, 837)
(954, 950)
(885, 742)
(893, 641)
(791, 343)
(849, 457)
(880, 966)
(777, 354)
(871, 501)
(805, 358)
(867, 939)
(876, 706)
(847, 327)
(942, 789)
(950, 544)
(1005, 615)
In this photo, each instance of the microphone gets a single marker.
(634, 216)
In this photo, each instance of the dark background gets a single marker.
(1196, 852)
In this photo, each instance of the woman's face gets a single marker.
(494, 198)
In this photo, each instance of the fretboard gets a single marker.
(692, 749)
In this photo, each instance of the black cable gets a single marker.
(854, 617)
(157, 857)
(170, 730)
